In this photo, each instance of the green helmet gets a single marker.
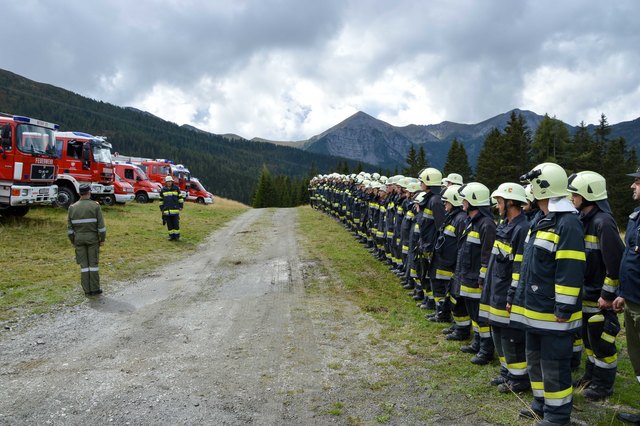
(510, 191)
(548, 180)
(414, 186)
(529, 193)
(590, 185)
(431, 177)
(451, 195)
(476, 194)
(453, 178)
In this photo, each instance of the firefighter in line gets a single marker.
(445, 253)
(431, 216)
(628, 299)
(471, 269)
(171, 202)
(87, 232)
(503, 273)
(547, 302)
(603, 248)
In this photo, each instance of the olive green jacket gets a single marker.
(85, 224)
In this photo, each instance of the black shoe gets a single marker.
(482, 359)
(548, 423)
(424, 305)
(498, 381)
(98, 291)
(583, 381)
(469, 349)
(440, 318)
(530, 413)
(508, 387)
(458, 337)
(418, 297)
(408, 286)
(420, 305)
(431, 304)
(449, 330)
(596, 393)
(629, 418)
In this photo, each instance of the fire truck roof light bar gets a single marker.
(28, 120)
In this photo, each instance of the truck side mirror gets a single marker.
(86, 156)
(5, 135)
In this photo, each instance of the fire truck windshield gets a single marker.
(36, 140)
(101, 154)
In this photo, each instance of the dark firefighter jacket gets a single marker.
(445, 250)
(171, 200)
(603, 248)
(503, 271)
(630, 265)
(473, 255)
(551, 275)
(428, 223)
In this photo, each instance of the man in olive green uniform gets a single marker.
(87, 233)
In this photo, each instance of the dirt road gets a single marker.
(226, 336)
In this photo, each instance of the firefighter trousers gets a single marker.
(481, 328)
(460, 315)
(632, 330)
(510, 346)
(87, 257)
(173, 225)
(549, 365)
(599, 331)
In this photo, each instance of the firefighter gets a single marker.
(445, 252)
(628, 299)
(87, 232)
(503, 272)
(431, 216)
(473, 258)
(171, 202)
(547, 302)
(603, 248)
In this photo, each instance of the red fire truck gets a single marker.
(145, 190)
(83, 158)
(27, 164)
(122, 191)
(197, 193)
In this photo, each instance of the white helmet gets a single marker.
(452, 196)
(168, 179)
(476, 194)
(431, 177)
(510, 191)
(453, 178)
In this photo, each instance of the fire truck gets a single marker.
(197, 193)
(27, 164)
(83, 158)
(157, 170)
(122, 191)
(144, 189)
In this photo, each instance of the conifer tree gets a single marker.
(615, 170)
(412, 162)
(422, 159)
(457, 161)
(587, 156)
(551, 142)
(489, 166)
(265, 193)
(515, 157)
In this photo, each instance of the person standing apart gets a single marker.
(171, 202)
(629, 292)
(87, 232)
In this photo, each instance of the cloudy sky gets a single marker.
(290, 69)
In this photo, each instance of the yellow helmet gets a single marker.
(590, 185)
(548, 180)
(453, 178)
(451, 195)
(510, 191)
(431, 177)
(476, 194)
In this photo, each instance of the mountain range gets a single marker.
(363, 137)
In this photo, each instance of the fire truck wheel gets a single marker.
(17, 211)
(142, 197)
(109, 200)
(200, 200)
(66, 197)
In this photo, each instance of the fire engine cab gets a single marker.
(27, 164)
(144, 189)
(197, 193)
(83, 158)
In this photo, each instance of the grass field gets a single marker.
(455, 382)
(38, 261)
